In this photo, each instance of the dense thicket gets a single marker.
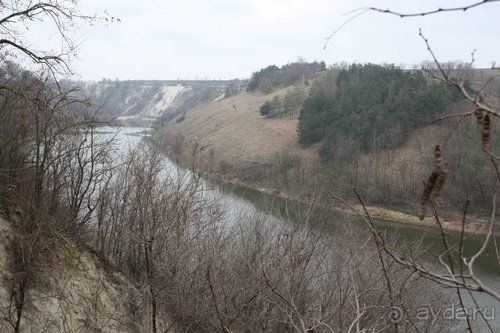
(273, 76)
(372, 106)
(206, 266)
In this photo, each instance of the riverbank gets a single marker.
(265, 154)
(453, 222)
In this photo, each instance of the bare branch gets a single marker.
(431, 12)
(363, 10)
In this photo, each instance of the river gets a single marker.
(238, 199)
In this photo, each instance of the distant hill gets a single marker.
(144, 102)
(237, 141)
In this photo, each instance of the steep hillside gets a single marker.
(81, 292)
(144, 102)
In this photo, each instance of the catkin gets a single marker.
(438, 156)
(441, 179)
(426, 194)
(485, 132)
(435, 183)
(479, 116)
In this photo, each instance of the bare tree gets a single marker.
(458, 270)
(17, 17)
(51, 173)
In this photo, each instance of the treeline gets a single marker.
(270, 77)
(371, 124)
(371, 106)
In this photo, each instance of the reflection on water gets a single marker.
(125, 138)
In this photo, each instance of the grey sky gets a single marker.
(231, 38)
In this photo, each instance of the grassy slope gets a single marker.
(237, 133)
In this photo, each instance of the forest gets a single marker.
(374, 106)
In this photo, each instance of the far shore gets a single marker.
(473, 226)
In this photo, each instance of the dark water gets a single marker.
(324, 219)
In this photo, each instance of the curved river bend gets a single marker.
(249, 201)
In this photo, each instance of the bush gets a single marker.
(271, 107)
(265, 109)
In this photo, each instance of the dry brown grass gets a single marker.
(473, 226)
(235, 130)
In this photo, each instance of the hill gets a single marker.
(239, 143)
(145, 102)
(236, 134)
(244, 145)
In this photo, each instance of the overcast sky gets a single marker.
(167, 39)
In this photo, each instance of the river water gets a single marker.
(241, 199)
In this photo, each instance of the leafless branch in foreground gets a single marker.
(363, 10)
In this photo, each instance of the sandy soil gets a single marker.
(82, 293)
